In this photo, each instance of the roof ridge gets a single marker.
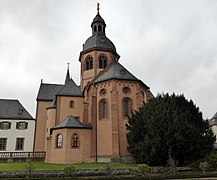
(9, 99)
(103, 71)
(74, 89)
(52, 84)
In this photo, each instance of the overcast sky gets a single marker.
(171, 45)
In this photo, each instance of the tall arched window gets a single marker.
(75, 141)
(103, 109)
(59, 141)
(102, 62)
(89, 63)
(127, 107)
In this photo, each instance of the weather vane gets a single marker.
(98, 8)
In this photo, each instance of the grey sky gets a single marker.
(169, 44)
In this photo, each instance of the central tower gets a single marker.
(98, 52)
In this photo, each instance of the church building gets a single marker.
(87, 122)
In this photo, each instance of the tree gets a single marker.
(168, 124)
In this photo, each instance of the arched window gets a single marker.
(127, 107)
(103, 109)
(75, 141)
(89, 63)
(102, 62)
(59, 141)
(99, 28)
(71, 104)
(94, 28)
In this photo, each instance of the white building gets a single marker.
(17, 127)
(213, 125)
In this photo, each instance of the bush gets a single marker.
(204, 166)
(172, 163)
(69, 171)
(108, 168)
(211, 159)
(144, 168)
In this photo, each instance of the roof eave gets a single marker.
(101, 49)
(7, 118)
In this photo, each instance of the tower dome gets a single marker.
(98, 40)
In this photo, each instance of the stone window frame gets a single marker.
(103, 61)
(71, 104)
(126, 90)
(75, 141)
(103, 109)
(127, 106)
(103, 92)
(59, 141)
(89, 63)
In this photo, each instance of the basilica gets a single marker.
(87, 122)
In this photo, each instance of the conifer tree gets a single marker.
(169, 125)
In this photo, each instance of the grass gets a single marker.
(14, 166)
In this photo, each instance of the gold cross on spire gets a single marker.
(97, 8)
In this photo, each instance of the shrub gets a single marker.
(108, 168)
(211, 159)
(69, 171)
(204, 166)
(172, 163)
(144, 168)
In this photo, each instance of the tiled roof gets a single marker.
(72, 122)
(48, 91)
(116, 71)
(213, 120)
(70, 89)
(13, 109)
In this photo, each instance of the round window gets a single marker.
(103, 92)
(126, 90)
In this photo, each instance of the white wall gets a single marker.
(13, 133)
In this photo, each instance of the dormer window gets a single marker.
(20, 111)
(102, 62)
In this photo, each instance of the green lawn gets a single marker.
(45, 166)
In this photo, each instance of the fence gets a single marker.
(22, 156)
